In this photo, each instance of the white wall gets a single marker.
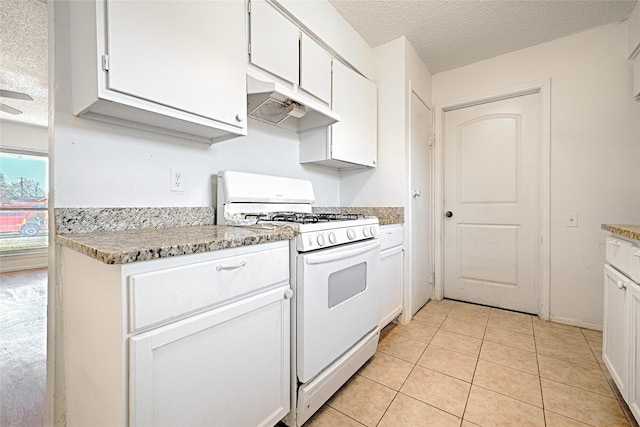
(595, 150)
(22, 136)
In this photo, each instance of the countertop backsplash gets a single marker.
(89, 220)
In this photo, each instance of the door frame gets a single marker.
(543, 88)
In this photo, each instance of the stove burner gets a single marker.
(304, 218)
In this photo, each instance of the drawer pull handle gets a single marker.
(614, 243)
(231, 267)
(620, 284)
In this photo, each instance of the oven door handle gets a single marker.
(341, 254)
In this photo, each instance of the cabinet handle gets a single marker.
(614, 243)
(288, 294)
(239, 117)
(231, 267)
(620, 284)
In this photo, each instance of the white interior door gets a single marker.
(491, 187)
(421, 218)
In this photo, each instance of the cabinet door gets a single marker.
(315, 69)
(390, 284)
(188, 57)
(275, 41)
(634, 347)
(615, 345)
(226, 367)
(354, 138)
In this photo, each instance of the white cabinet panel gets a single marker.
(391, 273)
(222, 368)
(634, 348)
(615, 343)
(355, 136)
(353, 141)
(171, 292)
(275, 42)
(184, 74)
(190, 68)
(315, 69)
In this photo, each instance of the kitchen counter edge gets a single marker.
(127, 246)
(631, 231)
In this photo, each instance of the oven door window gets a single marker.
(346, 284)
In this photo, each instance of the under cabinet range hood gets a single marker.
(277, 104)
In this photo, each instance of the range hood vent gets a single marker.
(274, 103)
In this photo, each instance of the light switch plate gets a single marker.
(572, 219)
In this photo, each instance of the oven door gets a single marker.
(338, 299)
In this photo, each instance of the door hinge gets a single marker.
(432, 140)
(249, 48)
(105, 62)
(249, 7)
(432, 278)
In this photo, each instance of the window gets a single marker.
(24, 189)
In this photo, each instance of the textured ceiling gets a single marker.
(446, 33)
(452, 33)
(23, 58)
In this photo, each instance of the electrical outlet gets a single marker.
(177, 180)
(572, 219)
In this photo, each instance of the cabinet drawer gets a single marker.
(619, 253)
(390, 236)
(168, 293)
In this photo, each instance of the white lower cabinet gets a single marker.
(621, 320)
(634, 350)
(615, 332)
(224, 367)
(391, 272)
(194, 340)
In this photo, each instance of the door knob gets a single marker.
(448, 214)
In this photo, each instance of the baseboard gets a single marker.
(27, 261)
(572, 322)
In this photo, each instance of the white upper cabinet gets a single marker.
(315, 69)
(353, 141)
(166, 66)
(356, 100)
(275, 42)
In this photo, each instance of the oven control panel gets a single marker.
(320, 239)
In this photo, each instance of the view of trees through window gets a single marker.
(24, 222)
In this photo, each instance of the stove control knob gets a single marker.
(351, 234)
(365, 231)
(321, 240)
(373, 230)
(332, 238)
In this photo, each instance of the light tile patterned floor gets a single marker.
(465, 365)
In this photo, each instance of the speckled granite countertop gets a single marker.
(122, 247)
(631, 231)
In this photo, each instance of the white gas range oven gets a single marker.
(334, 277)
